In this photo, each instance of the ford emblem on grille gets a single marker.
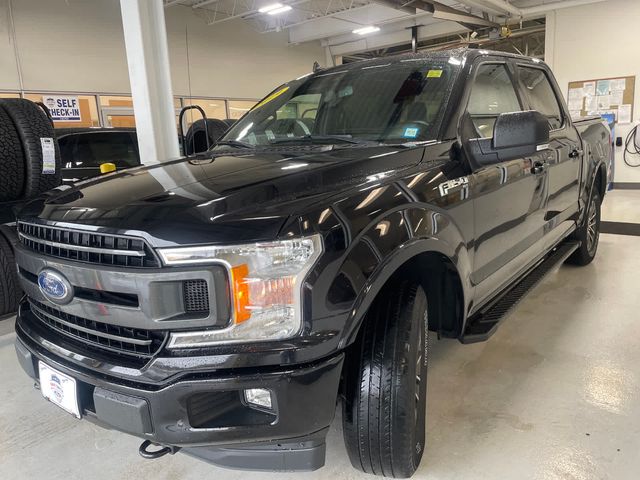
(55, 287)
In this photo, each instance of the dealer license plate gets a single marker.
(59, 388)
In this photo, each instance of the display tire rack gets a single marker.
(29, 166)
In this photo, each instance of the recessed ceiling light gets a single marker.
(365, 30)
(284, 8)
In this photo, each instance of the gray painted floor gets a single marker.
(555, 394)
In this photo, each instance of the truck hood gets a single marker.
(228, 198)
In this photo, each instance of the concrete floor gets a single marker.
(554, 394)
(622, 206)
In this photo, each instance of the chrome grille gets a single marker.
(87, 336)
(89, 247)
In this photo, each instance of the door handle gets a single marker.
(576, 152)
(538, 167)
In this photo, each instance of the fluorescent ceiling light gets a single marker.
(275, 8)
(284, 8)
(365, 30)
(268, 8)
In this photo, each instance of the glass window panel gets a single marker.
(118, 111)
(116, 101)
(213, 108)
(541, 95)
(237, 108)
(492, 93)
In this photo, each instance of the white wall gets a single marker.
(598, 41)
(78, 45)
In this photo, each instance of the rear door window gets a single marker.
(541, 95)
(94, 149)
(492, 93)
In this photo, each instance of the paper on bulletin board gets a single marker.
(590, 103)
(604, 102)
(624, 113)
(576, 93)
(575, 103)
(603, 87)
(619, 84)
(589, 88)
(575, 113)
(617, 97)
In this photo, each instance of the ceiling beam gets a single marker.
(204, 3)
(329, 15)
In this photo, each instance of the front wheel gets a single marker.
(588, 234)
(386, 384)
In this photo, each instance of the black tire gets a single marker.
(588, 234)
(32, 124)
(10, 291)
(384, 410)
(195, 137)
(11, 160)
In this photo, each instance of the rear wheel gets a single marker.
(386, 378)
(588, 234)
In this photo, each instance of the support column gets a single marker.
(145, 38)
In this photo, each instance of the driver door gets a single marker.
(509, 196)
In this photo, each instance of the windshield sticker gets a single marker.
(411, 132)
(271, 97)
(434, 73)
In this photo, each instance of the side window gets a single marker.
(492, 94)
(67, 144)
(541, 95)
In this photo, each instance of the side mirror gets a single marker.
(515, 135)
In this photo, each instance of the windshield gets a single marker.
(392, 103)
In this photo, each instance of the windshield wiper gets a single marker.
(318, 139)
(234, 143)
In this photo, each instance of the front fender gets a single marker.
(389, 265)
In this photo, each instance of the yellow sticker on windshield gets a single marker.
(271, 97)
(434, 73)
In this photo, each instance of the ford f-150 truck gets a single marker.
(223, 304)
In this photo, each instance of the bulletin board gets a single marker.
(603, 95)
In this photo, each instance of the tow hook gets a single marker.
(152, 454)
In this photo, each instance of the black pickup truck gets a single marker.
(224, 303)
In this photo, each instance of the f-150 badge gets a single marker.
(447, 187)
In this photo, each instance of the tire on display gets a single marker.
(11, 160)
(588, 233)
(384, 409)
(10, 291)
(196, 136)
(32, 124)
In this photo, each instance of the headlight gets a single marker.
(266, 288)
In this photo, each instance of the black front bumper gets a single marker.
(206, 413)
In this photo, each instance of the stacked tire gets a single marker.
(29, 166)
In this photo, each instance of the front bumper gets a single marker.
(202, 410)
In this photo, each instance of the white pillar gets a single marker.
(145, 39)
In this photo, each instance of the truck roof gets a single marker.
(462, 53)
